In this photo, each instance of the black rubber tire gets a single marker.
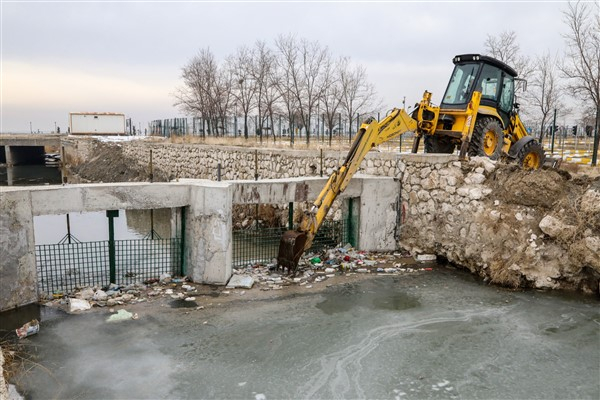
(438, 144)
(477, 146)
(531, 156)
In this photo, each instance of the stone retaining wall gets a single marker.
(516, 228)
(201, 161)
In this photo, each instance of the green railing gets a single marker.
(260, 245)
(67, 266)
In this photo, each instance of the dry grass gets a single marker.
(19, 362)
(505, 276)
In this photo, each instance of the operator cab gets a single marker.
(494, 79)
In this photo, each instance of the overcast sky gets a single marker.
(59, 57)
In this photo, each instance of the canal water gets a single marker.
(432, 335)
(28, 175)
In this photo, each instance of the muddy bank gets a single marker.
(517, 228)
(106, 162)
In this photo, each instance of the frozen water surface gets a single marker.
(435, 335)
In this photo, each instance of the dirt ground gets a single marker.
(110, 165)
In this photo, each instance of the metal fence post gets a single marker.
(150, 167)
(351, 236)
(321, 172)
(255, 165)
(182, 242)
(291, 216)
(112, 214)
(553, 132)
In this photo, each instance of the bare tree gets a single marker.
(288, 63)
(306, 67)
(199, 95)
(545, 90)
(505, 48)
(581, 65)
(357, 93)
(331, 98)
(223, 98)
(298, 78)
(244, 85)
(264, 72)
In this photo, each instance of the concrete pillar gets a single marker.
(10, 172)
(8, 156)
(18, 277)
(378, 211)
(208, 250)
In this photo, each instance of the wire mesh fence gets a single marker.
(340, 130)
(66, 266)
(139, 260)
(260, 245)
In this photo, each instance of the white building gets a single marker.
(96, 123)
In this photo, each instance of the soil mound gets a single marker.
(109, 164)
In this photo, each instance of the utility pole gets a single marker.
(30, 127)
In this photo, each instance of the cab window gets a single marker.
(461, 84)
(489, 83)
(507, 95)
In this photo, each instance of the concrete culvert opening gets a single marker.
(258, 229)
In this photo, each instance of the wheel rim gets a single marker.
(531, 161)
(490, 142)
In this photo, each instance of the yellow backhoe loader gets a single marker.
(477, 115)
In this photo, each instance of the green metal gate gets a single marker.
(68, 266)
(260, 245)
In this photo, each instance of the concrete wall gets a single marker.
(208, 208)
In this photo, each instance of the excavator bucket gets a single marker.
(291, 248)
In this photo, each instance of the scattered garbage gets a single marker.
(165, 278)
(240, 281)
(30, 328)
(121, 315)
(78, 305)
(313, 269)
(426, 257)
(100, 295)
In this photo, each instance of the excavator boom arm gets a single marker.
(372, 133)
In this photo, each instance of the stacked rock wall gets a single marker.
(201, 161)
(516, 228)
